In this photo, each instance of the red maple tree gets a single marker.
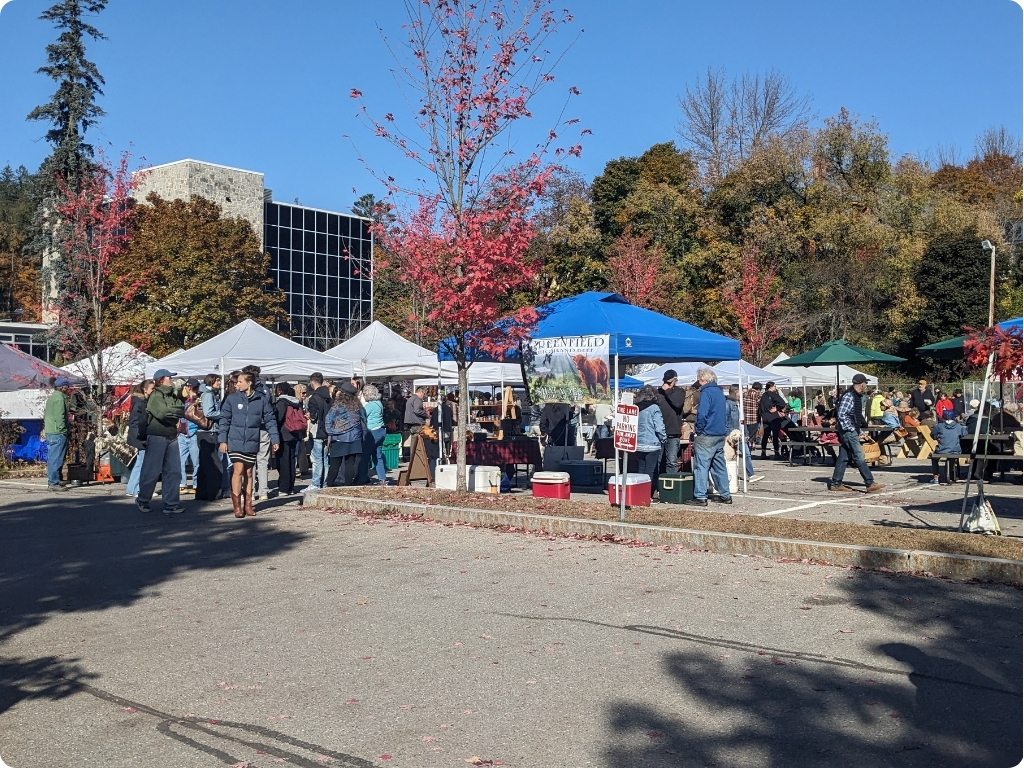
(91, 232)
(637, 271)
(1005, 346)
(757, 301)
(461, 249)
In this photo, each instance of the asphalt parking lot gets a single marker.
(302, 637)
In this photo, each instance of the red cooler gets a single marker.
(551, 485)
(638, 490)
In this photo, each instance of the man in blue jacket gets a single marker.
(709, 442)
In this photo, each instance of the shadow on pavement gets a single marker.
(82, 551)
(952, 698)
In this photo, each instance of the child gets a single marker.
(947, 434)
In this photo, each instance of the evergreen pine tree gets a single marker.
(72, 110)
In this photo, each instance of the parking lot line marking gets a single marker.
(793, 509)
(22, 485)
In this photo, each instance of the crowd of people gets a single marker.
(231, 431)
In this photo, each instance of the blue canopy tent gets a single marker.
(635, 335)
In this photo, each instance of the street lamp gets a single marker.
(987, 246)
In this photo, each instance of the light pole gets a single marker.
(987, 246)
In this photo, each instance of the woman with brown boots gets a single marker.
(243, 414)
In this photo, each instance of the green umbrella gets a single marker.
(839, 352)
(952, 349)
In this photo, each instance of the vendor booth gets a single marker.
(249, 343)
(582, 344)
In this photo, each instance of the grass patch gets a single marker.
(724, 522)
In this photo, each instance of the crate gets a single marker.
(638, 490)
(550, 485)
(675, 487)
(584, 473)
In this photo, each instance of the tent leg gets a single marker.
(974, 447)
(744, 448)
(625, 461)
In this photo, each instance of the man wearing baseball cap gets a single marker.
(670, 400)
(849, 425)
(56, 427)
(163, 409)
(922, 398)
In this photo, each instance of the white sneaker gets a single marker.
(755, 478)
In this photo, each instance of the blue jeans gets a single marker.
(318, 459)
(671, 454)
(56, 452)
(709, 460)
(188, 445)
(133, 478)
(376, 457)
(850, 452)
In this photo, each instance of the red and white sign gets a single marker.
(627, 419)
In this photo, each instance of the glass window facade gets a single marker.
(323, 262)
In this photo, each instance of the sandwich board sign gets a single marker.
(627, 418)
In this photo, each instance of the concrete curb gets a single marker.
(871, 558)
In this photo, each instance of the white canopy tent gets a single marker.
(377, 352)
(727, 374)
(480, 374)
(249, 343)
(123, 364)
(814, 377)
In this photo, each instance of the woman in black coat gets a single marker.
(771, 409)
(137, 432)
(287, 403)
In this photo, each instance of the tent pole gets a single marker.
(223, 380)
(625, 462)
(743, 426)
(974, 447)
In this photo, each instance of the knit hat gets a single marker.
(669, 376)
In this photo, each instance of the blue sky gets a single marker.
(264, 85)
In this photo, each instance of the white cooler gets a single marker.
(479, 479)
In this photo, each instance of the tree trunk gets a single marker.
(462, 425)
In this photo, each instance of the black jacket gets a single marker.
(284, 402)
(768, 399)
(319, 405)
(671, 402)
(554, 422)
(137, 423)
(917, 399)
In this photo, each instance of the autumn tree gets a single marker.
(757, 301)
(91, 234)
(188, 274)
(471, 70)
(18, 275)
(636, 271)
(725, 121)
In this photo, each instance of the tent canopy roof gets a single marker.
(726, 372)
(377, 352)
(637, 335)
(954, 347)
(838, 352)
(816, 377)
(249, 343)
(122, 364)
(19, 370)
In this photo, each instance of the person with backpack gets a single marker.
(318, 407)
(245, 413)
(343, 426)
(291, 426)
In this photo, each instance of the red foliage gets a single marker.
(1007, 345)
(637, 270)
(91, 233)
(758, 305)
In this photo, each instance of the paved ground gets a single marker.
(908, 500)
(307, 638)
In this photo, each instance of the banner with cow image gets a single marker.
(568, 369)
